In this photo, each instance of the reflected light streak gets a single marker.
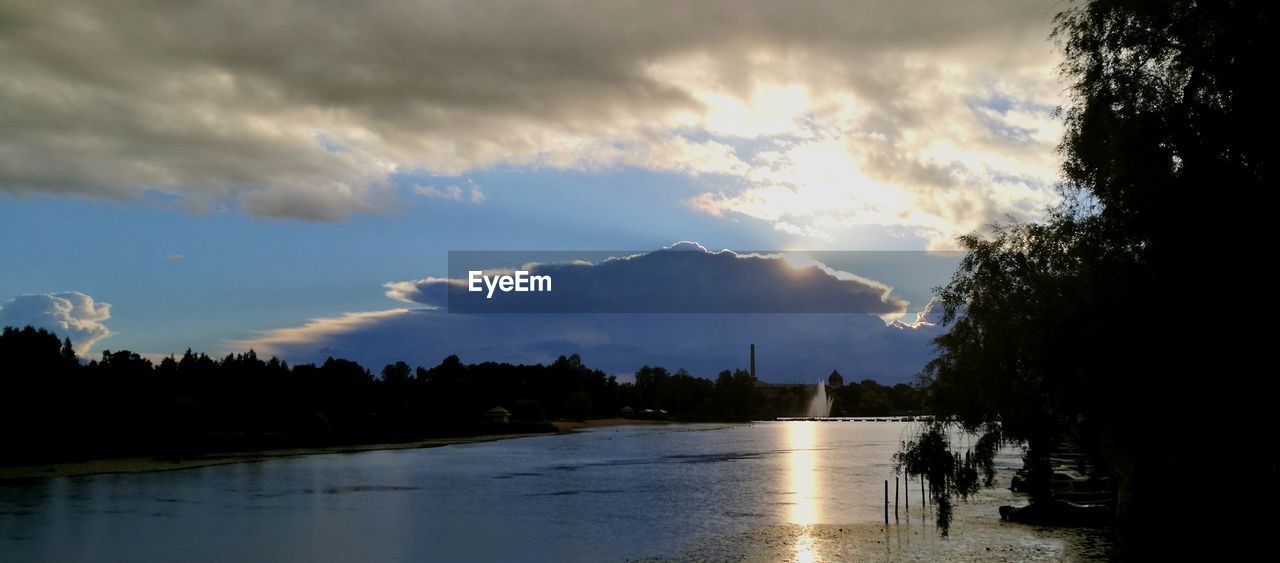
(803, 480)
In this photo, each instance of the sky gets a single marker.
(216, 175)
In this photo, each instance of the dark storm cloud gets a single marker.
(794, 346)
(684, 278)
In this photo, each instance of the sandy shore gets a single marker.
(145, 464)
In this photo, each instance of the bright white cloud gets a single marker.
(418, 292)
(944, 161)
(68, 314)
(928, 317)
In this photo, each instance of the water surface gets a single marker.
(601, 494)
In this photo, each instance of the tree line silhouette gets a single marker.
(53, 407)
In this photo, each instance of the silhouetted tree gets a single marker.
(1090, 324)
(67, 352)
(396, 373)
(736, 394)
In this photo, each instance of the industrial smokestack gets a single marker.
(753, 361)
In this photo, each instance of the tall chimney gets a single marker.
(753, 361)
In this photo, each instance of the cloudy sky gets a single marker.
(210, 174)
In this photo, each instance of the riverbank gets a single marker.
(143, 464)
(568, 425)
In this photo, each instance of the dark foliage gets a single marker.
(1101, 322)
(930, 455)
(56, 409)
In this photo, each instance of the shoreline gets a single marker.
(571, 425)
(149, 464)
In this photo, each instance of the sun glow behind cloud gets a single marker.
(954, 153)
(813, 117)
(749, 106)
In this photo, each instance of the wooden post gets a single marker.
(923, 499)
(906, 492)
(886, 501)
(895, 499)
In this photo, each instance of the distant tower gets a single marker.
(835, 379)
(753, 361)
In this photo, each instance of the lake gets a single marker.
(601, 494)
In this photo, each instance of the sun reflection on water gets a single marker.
(802, 479)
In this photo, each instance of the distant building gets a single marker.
(771, 390)
(498, 414)
(835, 379)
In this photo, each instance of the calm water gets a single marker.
(603, 494)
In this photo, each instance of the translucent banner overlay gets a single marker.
(687, 278)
